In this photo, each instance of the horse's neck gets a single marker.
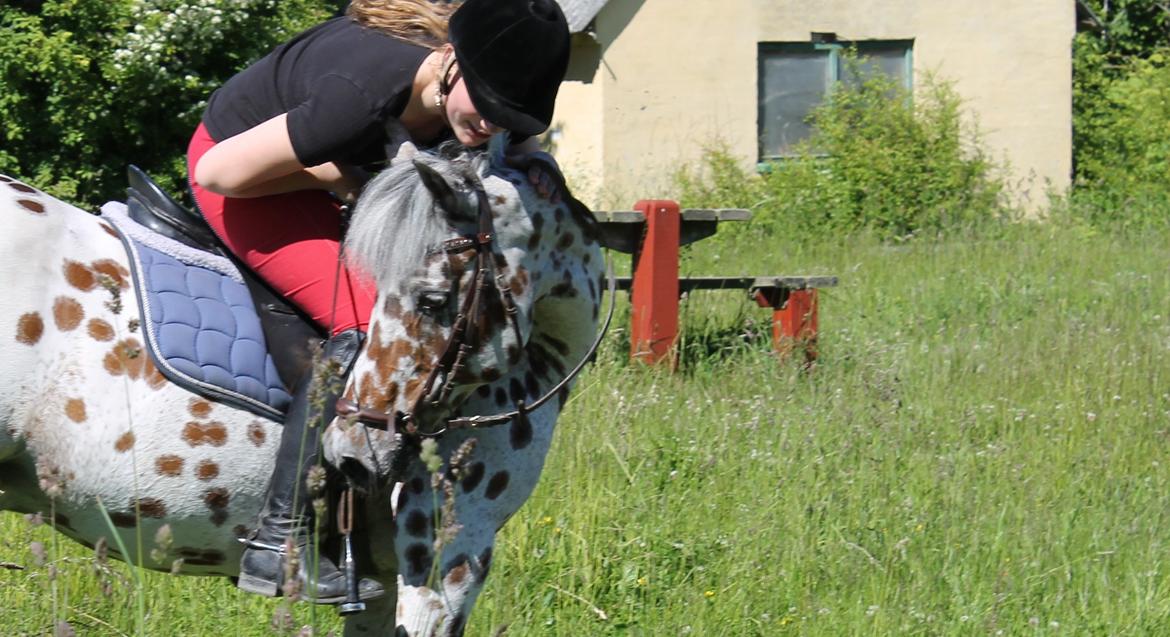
(564, 315)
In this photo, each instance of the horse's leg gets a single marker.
(436, 595)
(378, 618)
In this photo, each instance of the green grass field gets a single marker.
(980, 451)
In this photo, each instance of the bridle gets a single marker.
(460, 345)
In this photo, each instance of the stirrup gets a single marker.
(253, 543)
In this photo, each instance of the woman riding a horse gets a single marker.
(288, 137)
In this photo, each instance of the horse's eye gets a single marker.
(430, 301)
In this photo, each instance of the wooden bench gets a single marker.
(653, 233)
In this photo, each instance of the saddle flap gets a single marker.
(152, 207)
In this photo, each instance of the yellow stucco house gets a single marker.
(652, 81)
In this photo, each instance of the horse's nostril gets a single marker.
(356, 473)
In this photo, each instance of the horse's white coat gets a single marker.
(85, 409)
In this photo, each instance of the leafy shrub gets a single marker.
(88, 86)
(1123, 158)
(1121, 154)
(879, 159)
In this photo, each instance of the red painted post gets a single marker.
(654, 293)
(794, 322)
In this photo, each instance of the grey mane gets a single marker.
(395, 223)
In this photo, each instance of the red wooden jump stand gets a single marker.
(654, 290)
(655, 286)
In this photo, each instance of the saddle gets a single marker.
(289, 334)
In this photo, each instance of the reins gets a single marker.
(459, 346)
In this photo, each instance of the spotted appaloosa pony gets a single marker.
(87, 422)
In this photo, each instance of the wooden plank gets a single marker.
(619, 216)
(747, 283)
(622, 230)
(700, 215)
(795, 282)
(688, 214)
(734, 214)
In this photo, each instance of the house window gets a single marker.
(795, 77)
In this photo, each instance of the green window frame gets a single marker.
(794, 77)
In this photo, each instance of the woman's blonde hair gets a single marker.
(422, 22)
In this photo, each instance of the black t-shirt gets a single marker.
(343, 86)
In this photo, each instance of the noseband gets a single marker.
(460, 345)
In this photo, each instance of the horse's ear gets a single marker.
(406, 150)
(441, 190)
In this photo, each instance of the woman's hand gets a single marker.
(344, 181)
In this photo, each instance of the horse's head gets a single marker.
(463, 252)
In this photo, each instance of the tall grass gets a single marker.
(981, 449)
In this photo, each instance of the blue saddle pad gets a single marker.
(198, 320)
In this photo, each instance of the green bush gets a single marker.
(1123, 159)
(879, 159)
(1129, 143)
(1121, 80)
(88, 86)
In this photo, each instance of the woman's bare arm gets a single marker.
(260, 161)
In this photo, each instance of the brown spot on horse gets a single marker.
(217, 500)
(374, 342)
(207, 470)
(35, 207)
(519, 282)
(392, 308)
(257, 434)
(169, 465)
(457, 570)
(151, 508)
(388, 356)
(19, 187)
(123, 520)
(29, 328)
(67, 313)
(75, 409)
(199, 408)
(100, 330)
(125, 442)
(153, 377)
(79, 276)
(112, 269)
(196, 434)
(202, 557)
(126, 358)
(372, 394)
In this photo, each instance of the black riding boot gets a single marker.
(288, 510)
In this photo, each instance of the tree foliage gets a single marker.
(88, 86)
(1115, 79)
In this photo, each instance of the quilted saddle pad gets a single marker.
(198, 320)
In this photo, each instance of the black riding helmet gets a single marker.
(513, 55)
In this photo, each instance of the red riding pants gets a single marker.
(292, 241)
